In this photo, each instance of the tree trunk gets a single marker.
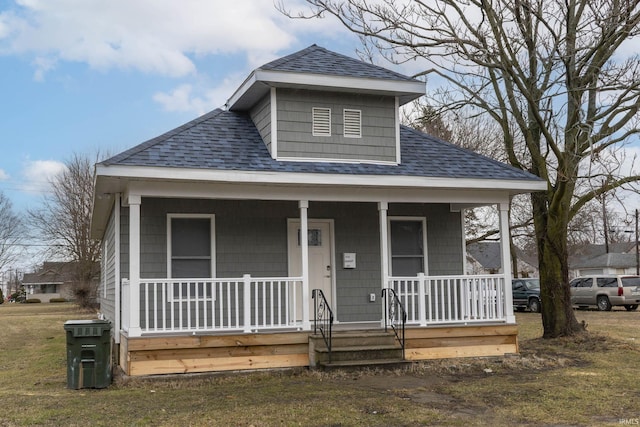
(558, 318)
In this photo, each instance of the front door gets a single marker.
(320, 259)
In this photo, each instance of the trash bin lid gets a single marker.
(87, 328)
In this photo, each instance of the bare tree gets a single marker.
(64, 219)
(11, 233)
(551, 73)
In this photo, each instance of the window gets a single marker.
(321, 121)
(352, 123)
(314, 237)
(407, 247)
(607, 282)
(191, 246)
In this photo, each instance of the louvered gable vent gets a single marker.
(352, 123)
(321, 122)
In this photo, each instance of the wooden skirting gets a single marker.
(231, 352)
(207, 353)
(460, 341)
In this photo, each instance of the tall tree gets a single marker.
(64, 219)
(11, 233)
(554, 74)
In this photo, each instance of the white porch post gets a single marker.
(384, 252)
(304, 246)
(134, 266)
(506, 261)
(118, 280)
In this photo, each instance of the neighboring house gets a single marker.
(594, 259)
(217, 234)
(51, 280)
(486, 258)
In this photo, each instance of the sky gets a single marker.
(95, 76)
(101, 76)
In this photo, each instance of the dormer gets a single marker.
(318, 105)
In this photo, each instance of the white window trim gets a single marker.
(424, 240)
(212, 239)
(313, 121)
(344, 123)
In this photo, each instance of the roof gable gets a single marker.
(318, 60)
(317, 68)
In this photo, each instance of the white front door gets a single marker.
(320, 259)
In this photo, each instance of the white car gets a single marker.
(606, 291)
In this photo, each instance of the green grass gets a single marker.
(588, 380)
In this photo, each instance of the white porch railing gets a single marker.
(212, 305)
(250, 304)
(451, 299)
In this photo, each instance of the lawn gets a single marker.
(589, 380)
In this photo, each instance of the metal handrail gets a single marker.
(392, 309)
(323, 319)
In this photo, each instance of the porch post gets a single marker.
(304, 245)
(134, 266)
(384, 252)
(118, 281)
(384, 243)
(506, 261)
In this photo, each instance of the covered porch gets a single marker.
(251, 321)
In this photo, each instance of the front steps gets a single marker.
(356, 349)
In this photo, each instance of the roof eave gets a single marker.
(112, 179)
(259, 82)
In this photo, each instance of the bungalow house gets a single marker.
(301, 216)
(52, 280)
(618, 258)
(486, 258)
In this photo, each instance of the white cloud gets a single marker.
(3, 175)
(190, 98)
(157, 36)
(37, 174)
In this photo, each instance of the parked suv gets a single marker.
(526, 294)
(606, 291)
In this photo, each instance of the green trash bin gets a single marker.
(88, 353)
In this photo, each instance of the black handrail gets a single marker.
(395, 315)
(323, 319)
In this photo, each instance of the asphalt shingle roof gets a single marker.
(318, 60)
(225, 140)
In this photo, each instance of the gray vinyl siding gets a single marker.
(295, 139)
(356, 227)
(107, 303)
(251, 238)
(261, 116)
(245, 243)
(444, 236)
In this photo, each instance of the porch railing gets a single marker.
(395, 315)
(244, 304)
(323, 318)
(451, 299)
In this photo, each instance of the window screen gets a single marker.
(407, 248)
(190, 247)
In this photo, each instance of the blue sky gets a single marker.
(82, 76)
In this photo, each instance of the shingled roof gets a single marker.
(318, 60)
(225, 140)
